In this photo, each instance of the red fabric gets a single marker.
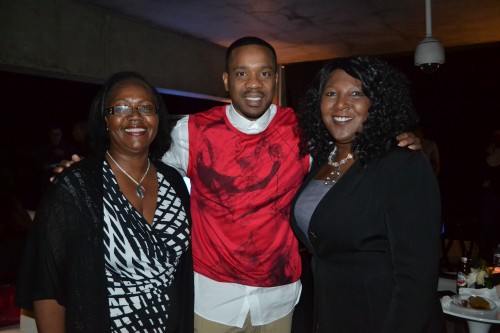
(242, 186)
(9, 313)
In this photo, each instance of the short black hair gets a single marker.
(98, 132)
(391, 111)
(249, 40)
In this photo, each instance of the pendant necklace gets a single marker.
(140, 190)
(335, 174)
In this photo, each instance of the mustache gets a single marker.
(254, 91)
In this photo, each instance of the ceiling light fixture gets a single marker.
(429, 54)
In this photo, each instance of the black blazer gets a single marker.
(375, 240)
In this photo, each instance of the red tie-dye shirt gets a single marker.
(242, 186)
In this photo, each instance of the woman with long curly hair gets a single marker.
(369, 211)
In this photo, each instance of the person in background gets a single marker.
(244, 166)
(110, 245)
(80, 138)
(55, 149)
(369, 211)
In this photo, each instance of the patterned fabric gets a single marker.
(141, 258)
(242, 186)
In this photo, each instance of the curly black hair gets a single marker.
(391, 112)
(98, 133)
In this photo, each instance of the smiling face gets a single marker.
(344, 106)
(134, 133)
(251, 80)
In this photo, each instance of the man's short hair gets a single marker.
(249, 40)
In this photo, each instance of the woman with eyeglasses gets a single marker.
(110, 246)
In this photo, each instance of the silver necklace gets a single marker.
(140, 190)
(335, 174)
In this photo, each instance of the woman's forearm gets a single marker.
(49, 316)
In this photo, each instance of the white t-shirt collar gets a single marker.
(250, 126)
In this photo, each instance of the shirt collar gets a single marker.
(250, 126)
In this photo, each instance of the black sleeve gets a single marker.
(46, 253)
(413, 220)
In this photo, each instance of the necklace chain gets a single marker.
(336, 173)
(140, 190)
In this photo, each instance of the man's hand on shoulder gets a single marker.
(409, 140)
(65, 164)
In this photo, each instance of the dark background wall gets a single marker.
(74, 40)
(458, 106)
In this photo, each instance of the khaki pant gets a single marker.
(282, 325)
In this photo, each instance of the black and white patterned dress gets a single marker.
(140, 258)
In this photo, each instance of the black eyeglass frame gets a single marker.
(111, 110)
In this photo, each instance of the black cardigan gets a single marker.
(64, 258)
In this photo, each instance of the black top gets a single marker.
(375, 240)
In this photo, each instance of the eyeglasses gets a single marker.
(126, 110)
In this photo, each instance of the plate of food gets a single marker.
(474, 306)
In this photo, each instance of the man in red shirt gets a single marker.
(243, 163)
